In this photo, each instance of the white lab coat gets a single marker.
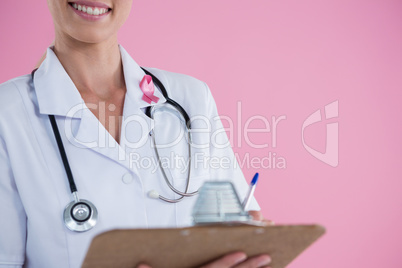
(33, 184)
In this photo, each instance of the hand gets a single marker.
(238, 259)
(257, 216)
(233, 260)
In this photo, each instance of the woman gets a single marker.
(95, 92)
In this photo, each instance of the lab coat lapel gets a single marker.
(57, 95)
(136, 124)
(91, 134)
(55, 91)
(133, 75)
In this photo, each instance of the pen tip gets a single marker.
(255, 178)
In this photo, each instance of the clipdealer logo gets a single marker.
(273, 160)
(331, 154)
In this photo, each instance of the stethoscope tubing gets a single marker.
(185, 193)
(177, 106)
(63, 154)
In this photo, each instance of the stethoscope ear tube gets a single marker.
(149, 112)
(153, 193)
(162, 88)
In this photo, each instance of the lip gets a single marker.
(85, 15)
(90, 4)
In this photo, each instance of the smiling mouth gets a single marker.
(90, 10)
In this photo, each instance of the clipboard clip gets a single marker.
(219, 203)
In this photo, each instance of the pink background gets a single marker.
(281, 58)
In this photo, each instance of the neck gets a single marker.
(94, 68)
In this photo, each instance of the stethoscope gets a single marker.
(81, 215)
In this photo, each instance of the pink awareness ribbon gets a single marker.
(147, 87)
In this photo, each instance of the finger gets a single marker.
(227, 261)
(268, 222)
(254, 262)
(257, 215)
(143, 266)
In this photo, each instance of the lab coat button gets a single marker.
(128, 178)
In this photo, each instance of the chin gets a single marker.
(92, 36)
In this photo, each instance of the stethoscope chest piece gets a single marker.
(80, 216)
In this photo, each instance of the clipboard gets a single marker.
(198, 245)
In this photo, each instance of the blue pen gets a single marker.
(250, 193)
